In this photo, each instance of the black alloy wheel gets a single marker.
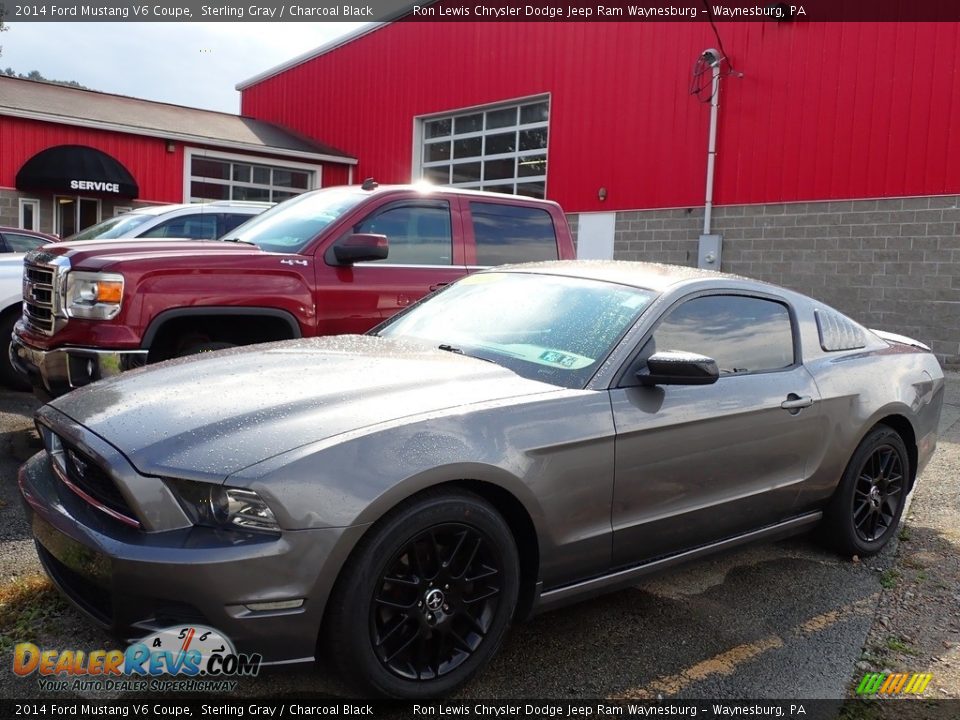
(435, 601)
(865, 509)
(878, 493)
(425, 598)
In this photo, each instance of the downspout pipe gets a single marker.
(714, 58)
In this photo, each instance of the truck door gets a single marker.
(426, 253)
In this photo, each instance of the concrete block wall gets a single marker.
(892, 264)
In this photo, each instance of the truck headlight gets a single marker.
(95, 296)
(224, 507)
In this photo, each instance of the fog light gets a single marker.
(275, 605)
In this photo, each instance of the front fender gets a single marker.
(554, 456)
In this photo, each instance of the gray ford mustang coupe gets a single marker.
(524, 438)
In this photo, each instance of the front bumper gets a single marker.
(55, 372)
(134, 582)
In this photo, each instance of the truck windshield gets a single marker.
(115, 227)
(291, 225)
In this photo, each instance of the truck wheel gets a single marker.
(8, 376)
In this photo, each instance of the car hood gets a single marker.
(208, 416)
(105, 254)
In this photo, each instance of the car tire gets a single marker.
(865, 510)
(425, 599)
(8, 375)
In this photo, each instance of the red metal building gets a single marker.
(836, 166)
(823, 110)
(71, 157)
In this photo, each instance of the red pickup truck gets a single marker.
(328, 262)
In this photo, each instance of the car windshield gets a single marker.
(115, 227)
(543, 327)
(292, 224)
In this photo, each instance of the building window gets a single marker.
(213, 178)
(29, 214)
(501, 148)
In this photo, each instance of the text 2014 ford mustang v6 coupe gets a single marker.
(525, 437)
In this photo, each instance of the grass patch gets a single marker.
(889, 579)
(27, 605)
(904, 535)
(895, 644)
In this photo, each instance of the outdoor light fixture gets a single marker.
(170, 146)
(602, 194)
(712, 57)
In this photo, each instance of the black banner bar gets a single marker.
(191, 707)
(482, 11)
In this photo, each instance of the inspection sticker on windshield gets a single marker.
(558, 358)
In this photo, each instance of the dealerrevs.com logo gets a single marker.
(186, 658)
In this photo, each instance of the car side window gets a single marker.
(418, 234)
(22, 243)
(512, 234)
(233, 220)
(197, 227)
(743, 334)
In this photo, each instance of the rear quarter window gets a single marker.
(838, 332)
(196, 227)
(512, 234)
(233, 220)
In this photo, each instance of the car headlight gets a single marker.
(224, 507)
(95, 296)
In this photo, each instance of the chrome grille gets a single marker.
(38, 298)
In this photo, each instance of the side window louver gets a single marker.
(838, 332)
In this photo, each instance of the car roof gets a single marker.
(217, 205)
(649, 276)
(31, 233)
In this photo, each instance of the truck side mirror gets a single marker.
(361, 247)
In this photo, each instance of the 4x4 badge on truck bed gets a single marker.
(290, 261)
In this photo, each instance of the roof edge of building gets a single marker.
(310, 54)
(181, 137)
(61, 86)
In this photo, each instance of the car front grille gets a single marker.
(85, 477)
(38, 298)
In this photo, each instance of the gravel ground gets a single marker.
(917, 622)
(774, 620)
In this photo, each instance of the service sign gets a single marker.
(95, 186)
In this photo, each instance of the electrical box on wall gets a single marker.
(708, 256)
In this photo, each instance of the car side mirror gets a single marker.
(361, 247)
(672, 367)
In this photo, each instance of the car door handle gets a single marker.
(437, 286)
(795, 402)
